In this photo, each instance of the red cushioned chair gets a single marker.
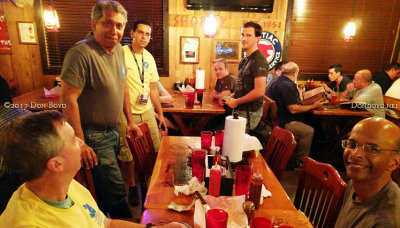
(279, 150)
(144, 155)
(84, 177)
(319, 193)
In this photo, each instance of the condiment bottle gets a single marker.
(215, 181)
(256, 182)
(217, 157)
(248, 208)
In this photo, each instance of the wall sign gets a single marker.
(227, 49)
(5, 43)
(271, 47)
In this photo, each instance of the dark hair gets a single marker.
(279, 65)
(5, 91)
(257, 27)
(28, 142)
(97, 10)
(338, 67)
(139, 21)
(393, 65)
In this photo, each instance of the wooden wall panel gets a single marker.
(316, 37)
(183, 22)
(24, 64)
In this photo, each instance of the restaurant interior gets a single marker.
(311, 33)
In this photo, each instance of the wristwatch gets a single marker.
(148, 225)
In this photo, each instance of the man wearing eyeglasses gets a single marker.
(371, 154)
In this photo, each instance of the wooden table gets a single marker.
(199, 115)
(36, 101)
(347, 116)
(161, 188)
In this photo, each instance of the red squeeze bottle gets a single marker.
(256, 182)
(215, 181)
(217, 158)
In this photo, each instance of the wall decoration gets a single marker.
(5, 43)
(189, 49)
(227, 49)
(27, 32)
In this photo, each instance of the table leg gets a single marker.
(181, 124)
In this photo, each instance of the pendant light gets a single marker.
(210, 26)
(51, 22)
(350, 29)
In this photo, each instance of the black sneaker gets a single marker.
(133, 197)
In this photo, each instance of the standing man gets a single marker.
(338, 81)
(371, 154)
(225, 80)
(142, 77)
(94, 90)
(385, 79)
(290, 111)
(364, 90)
(253, 71)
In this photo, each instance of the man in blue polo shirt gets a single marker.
(284, 92)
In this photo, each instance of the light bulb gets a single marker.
(210, 26)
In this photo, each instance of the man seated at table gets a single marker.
(385, 79)
(225, 81)
(364, 90)
(48, 160)
(284, 92)
(394, 90)
(274, 76)
(338, 81)
(166, 101)
(371, 153)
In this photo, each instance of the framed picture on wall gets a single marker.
(227, 49)
(27, 32)
(189, 49)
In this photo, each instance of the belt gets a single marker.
(98, 127)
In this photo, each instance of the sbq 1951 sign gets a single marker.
(270, 46)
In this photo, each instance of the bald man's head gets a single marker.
(290, 69)
(366, 75)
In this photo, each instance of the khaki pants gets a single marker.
(305, 135)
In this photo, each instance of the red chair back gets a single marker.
(144, 155)
(279, 150)
(319, 193)
(84, 177)
(270, 112)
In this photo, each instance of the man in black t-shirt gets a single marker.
(284, 92)
(385, 79)
(252, 78)
(338, 81)
(225, 81)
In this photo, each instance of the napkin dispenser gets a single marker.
(226, 180)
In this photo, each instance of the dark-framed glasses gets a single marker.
(368, 148)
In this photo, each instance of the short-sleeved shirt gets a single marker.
(383, 80)
(270, 80)
(394, 90)
(100, 76)
(284, 92)
(254, 65)
(226, 83)
(160, 88)
(342, 85)
(372, 96)
(135, 85)
(382, 210)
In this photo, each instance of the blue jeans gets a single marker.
(108, 182)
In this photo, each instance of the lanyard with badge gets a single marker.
(143, 97)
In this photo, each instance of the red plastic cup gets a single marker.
(200, 95)
(206, 139)
(198, 164)
(261, 223)
(216, 218)
(190, 99)
(243, 176)
(219, 139)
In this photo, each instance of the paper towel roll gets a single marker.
(234, 138)
(200, 79)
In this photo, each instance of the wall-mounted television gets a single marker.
(264, 6)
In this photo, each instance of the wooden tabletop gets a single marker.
(174, 152)
(35, 100)
(280, 217)
(326, 111)
(191, 121)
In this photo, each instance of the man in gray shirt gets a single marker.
(371, 154)
(94, 90)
